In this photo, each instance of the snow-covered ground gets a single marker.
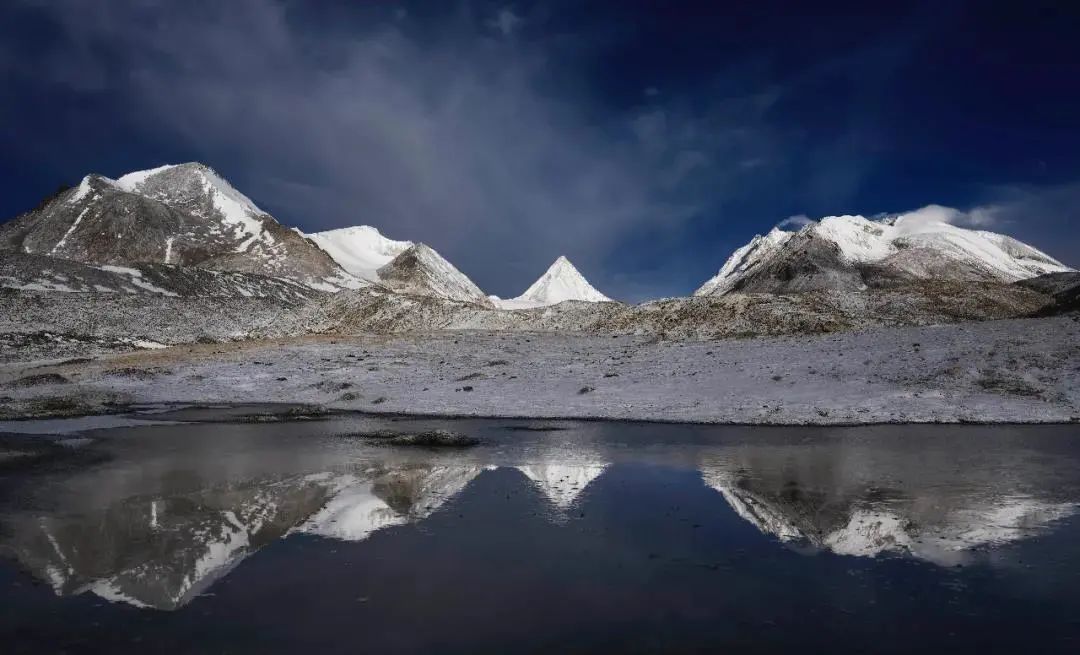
(1024, 370)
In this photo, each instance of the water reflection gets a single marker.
(866, 499)
(562, 483)
(160, 552)
(160, 549)
(385, 497)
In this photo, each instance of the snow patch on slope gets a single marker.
(81, 191)
(136, 278)
(361, 250)
(132, 182)
(74, 225)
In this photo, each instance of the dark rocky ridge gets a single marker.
(1063, 288)
(43, 273)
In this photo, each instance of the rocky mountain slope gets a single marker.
(48, 324)
(561, 282)
(735, 315)
(421, 271)
(185, 215)
(42, 273)
(850, 253)
(1063, 289)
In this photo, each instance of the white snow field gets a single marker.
(361, 250)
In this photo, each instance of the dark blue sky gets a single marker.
(644, 140)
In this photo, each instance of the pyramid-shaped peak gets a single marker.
(561, 282)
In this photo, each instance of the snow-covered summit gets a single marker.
(562, 281)
(199, 189)
(194, 184)
(921, 244)
(183, 215)
(361, 250)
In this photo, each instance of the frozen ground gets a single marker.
(1023, 370)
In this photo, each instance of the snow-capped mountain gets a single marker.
(853, 252)
(562, 281)
(182, 214)
(421, 271)
(361, 250)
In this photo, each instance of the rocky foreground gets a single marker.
(1020, 370)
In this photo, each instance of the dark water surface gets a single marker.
(598, 537)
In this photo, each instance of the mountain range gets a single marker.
(187, 215)
(165, 222)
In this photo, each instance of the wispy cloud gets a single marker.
(506, 21)
(797, 222)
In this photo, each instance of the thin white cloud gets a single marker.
(506, 22)
(797, 222)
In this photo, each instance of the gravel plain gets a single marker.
(1008, 371)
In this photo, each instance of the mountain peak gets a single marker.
(179, 214)
(561, 282)
(191, 182)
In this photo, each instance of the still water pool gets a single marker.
(209, 535)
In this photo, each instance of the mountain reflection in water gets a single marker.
(159, 524)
